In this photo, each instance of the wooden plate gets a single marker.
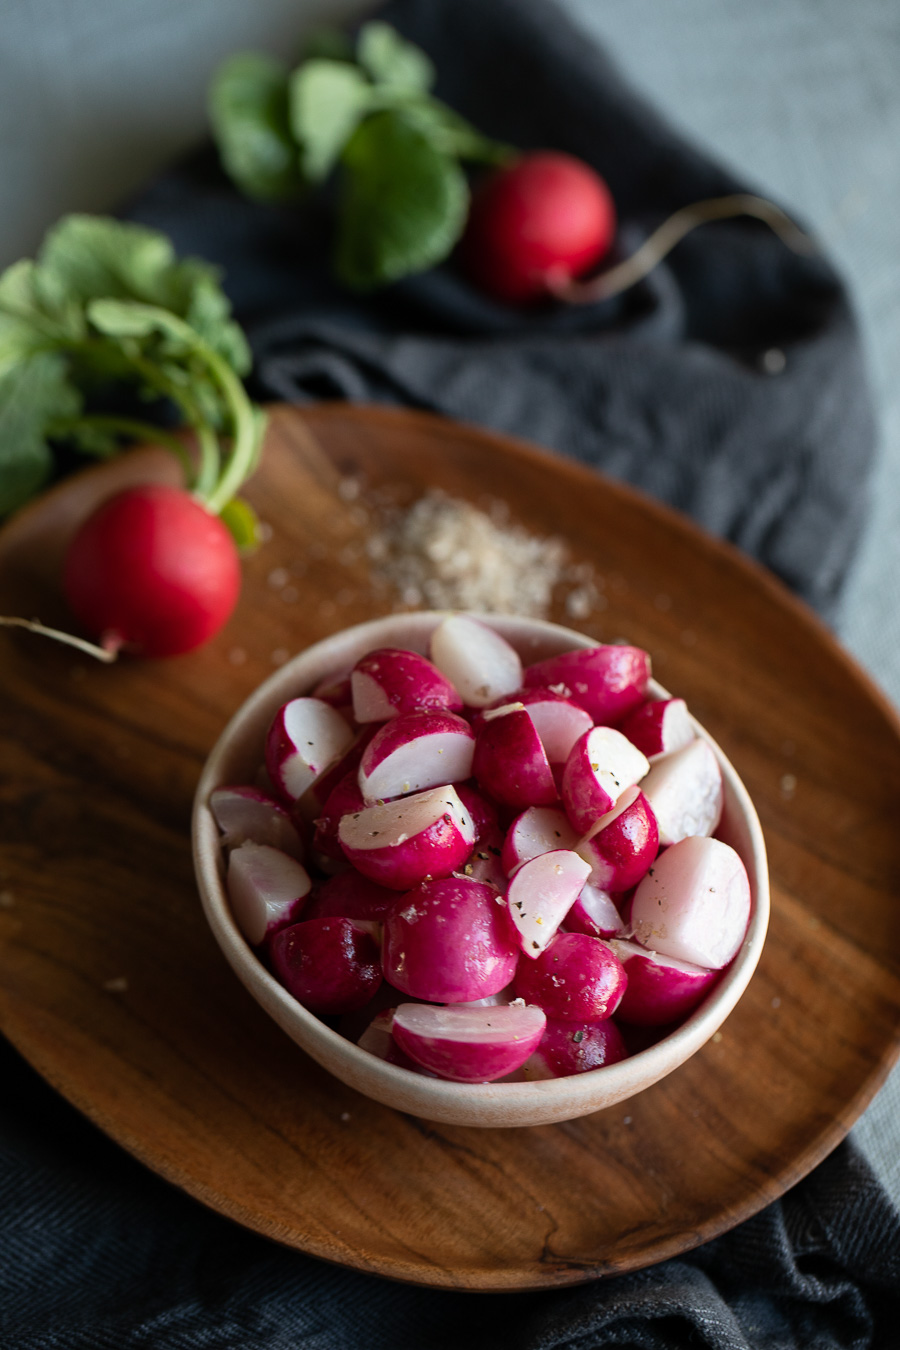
(113, 988)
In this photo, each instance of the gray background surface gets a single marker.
(800, 97)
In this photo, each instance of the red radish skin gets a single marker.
(575, 1047)
(609, 682)
(595, 913)
(304, 740)
(660, 988)
(329, 965)
(450, 941)
(378, 1040)
(478, 662)
(602, 765)
(622, 844)
(152, 572)
(414, 751)
(243, 813)
(659, 727)
(344, 800)
(350, 895)
(392, 681)
(337, 693)
(468, 1045)
(509, 763)
(541, 894)
(694, 903)
(537, 224)
(536, 830)
(577, 979)
(398, 844)
(267, 890)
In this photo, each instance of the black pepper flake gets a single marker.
(577, 1037)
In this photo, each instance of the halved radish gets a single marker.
(484, 862)
(468, 1045)
(336, 691)
(310, 805)
(660, 988)
(400, 843)
(694, 903)
(609, 682)
(392, 681)
(478, 662)
(414, 751)
(575, 1047)
(509, 763)
(685, 792)
(328, 965)
(558, 721)
(243, 813)
(345, 799)
(537, 829)
(595, 913)
(659, 727)
(306, 736)
(541, 894)
(577, 979)
(267, 889)
(450, 941)
(601, 766)
(350, 895)
(622, 844)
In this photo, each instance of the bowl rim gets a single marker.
(536, 1101)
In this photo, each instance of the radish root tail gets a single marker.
(34, 626)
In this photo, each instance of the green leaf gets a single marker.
(19, 340)
(126, 319)
(390, 60)
(30, 397)
(88, 256)
(208, 314)
(248, 109)
(403, 203)
(328, 101)
(242, 523)
(452, 134)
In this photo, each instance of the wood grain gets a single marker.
(111, 985)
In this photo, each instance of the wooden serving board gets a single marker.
(113, 988)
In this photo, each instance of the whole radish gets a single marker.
(536, 224)
(152, 571)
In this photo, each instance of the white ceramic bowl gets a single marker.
(236, 759)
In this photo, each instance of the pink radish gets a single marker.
(414, 751)
(622, 844)
(305, 738)
(685, 792)
(450, 941)
(601, 766)
(535, 224)
(400, 843)
(558, 722)
(537, 829)
(337, 692)
(609, 682)
(378, 1040)
(660, 989)
(392, 681)
(694, 903)
(328, 965)
(510, 763)
(311, 804)
(659, 727)
(350, 895)
(267, 890)
(152, 572)
(541, 894)
(345, 799)
(575, 1047)
(478, 662)
(577, 979)
(594, 913)
(484, 864)
(243, 813)
(468, 1045)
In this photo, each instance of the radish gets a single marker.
(535, 224)
(541, 894)
(558, 722)
(152, 572)
(577, 979)
(538, 829)
(478, 662)
(311, 805)
(468, 1045)
(349, 895)
(450, 941)
(243, 813)
(601, 766)
(484, 863)
(609, 682)
(575, 1047)
(509, 763)
(694, 903)
(685, 792)
(414, 751)
(659, 727)
(267, 889)
(660, 989)
(345, 799)
(399, 844)
(328, 965)
(336, 691)
(391, 680)
(305, 738)
(594, 913)
(378, 1040)
(622, 844)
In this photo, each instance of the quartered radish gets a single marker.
(468, 1045)
(267, 889)
(479, 663)
(400, 843)
(349, 895)
(450, 941)
(659, 727)
(601, 766)
(378, 1040)
(609, 682)
(541, 894)
(557, 721)
(336, 691)
(391, 681)
(243, 813)
(575, 1047)
(509, 763)
(328, 965)
(694, 903)
(685, 792)
(660, 988)
(484, 862)
(345, 799)
(595, 913)
(414, 751)
(577, 979)
(622, 844)
(305, 737)
(538, 829)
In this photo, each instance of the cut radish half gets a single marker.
(539, 829)
(343, 800)
(509, 763)
(694, 903)
(577, 979)
(243, 813)
(468, 1045)
(601, 766)
(541, 894)
(414, 751)
(400, 843)
(659, 727)
(267, 890)
(558, 722)
(622, 844)
(609, 682)
(660, 988)
(478, 662)
(685, 792)
(305, 737)
(594, 913)
(391, 681)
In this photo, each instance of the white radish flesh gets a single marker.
(541, 894)
(558, 722)
(266, 888)
(392, 681)
(594, 913)
(538, 829)
(601, 766)
(468, 1045)
(694, 903)
(660, 988)
(479, 663)
(659, 727)
(305, 738)
(414, 751)
(400, 843)
(243, 813)
(685, 792)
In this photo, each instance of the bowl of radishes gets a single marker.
(483, 869)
